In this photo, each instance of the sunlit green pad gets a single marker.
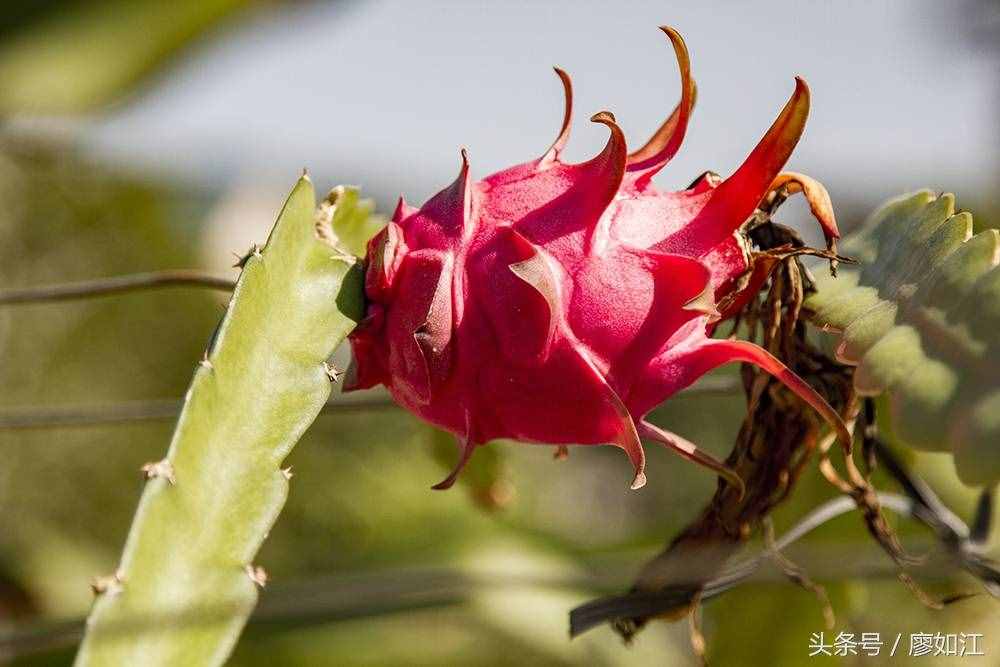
(184, 591)
(920, 317)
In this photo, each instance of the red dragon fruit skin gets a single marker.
(559, 303)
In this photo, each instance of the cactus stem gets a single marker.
(332, 372)
(191, 547)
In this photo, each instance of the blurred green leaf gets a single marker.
(920, 317)
(77, 57)
(185, 587)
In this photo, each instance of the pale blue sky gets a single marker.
(384, 93)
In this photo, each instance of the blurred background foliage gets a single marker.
(66, 56)
(367, 565)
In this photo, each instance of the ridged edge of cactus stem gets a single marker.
(187, 580)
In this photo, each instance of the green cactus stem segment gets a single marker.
(187, 580)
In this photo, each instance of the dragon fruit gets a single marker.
(558, 304)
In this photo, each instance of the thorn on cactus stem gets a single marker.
(257, 574)
(561, 453)
(108, 585)
(205, 363)
(241, 260)
(332, 372)
(286, 472)
(163, 469)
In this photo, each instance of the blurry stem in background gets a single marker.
(40, 417)
(347, 597)
(959, 548)
(210, 503)
(138, 411)
(115, 285)
(43, 417)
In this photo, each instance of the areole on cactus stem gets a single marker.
(559, 303)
